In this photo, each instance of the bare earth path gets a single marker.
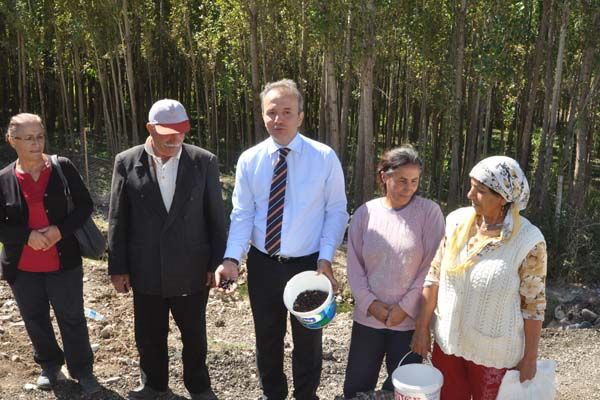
(231, 352)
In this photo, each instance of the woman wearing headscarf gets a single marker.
(486, 286)
(41, 260)
(391, 241)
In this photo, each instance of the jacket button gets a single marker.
(45, 194)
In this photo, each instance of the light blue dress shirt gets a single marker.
(314, 214)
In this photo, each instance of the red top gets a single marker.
(34, 193)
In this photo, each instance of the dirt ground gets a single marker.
(231, 349)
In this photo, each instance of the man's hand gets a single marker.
(396, 316)
(379, 310)
(121, 283)
(52, 233)
(38, 241)
(527, 368)
(228, 270)
(324, 267)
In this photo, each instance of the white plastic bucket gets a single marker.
(309, 280)
(417, 382)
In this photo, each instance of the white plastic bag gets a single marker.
(541, 387)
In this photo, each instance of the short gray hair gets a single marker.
(18, 120)
(285, 85)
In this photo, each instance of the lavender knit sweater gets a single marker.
(389, 252)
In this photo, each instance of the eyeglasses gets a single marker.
(31, 139)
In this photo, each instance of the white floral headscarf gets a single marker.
(503, 175)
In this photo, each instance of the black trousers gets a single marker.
(266, 281)
(368, 346)
(34, 293)
(151, 332)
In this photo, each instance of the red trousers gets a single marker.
(465, 380)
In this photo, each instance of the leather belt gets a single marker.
(286, 260)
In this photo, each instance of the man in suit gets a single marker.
(166, 237)
(289, 203)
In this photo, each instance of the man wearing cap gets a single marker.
(166, 237)
(289, 202)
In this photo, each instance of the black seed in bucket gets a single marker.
(309, 300)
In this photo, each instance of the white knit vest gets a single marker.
(478, 313)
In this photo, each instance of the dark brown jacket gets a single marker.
(166, 254)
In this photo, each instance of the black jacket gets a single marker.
(14, 217)
(167, 254)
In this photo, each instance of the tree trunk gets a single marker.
(121, 97)
(126, 40)
(528, 110)
(252, 10)
(66, 101)
(108, 125)
(114, 97)
(346, 87)
(322, 132)
(423, 113)
(78, 71)
(472, 134)
(23, 92)
(390, 106)
(485, 148)
(214, 134)
(364, 171)
(302, 52)
(580, 122)
(543, 172)
(38, 77)
(331, 91)
(194, 65)
(455, 124)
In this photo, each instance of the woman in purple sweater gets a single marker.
(391, 242)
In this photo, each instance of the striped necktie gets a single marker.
(276, 203)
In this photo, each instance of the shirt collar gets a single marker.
(150, 150)
(295, 145)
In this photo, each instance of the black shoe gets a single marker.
(48, 378)
(206, 395)
(89, 385)
(145, 392)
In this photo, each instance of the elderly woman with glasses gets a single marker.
(486, 287)
(391, 242)
(40, 259)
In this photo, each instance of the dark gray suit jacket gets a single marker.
(167, 254)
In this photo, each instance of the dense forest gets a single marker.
(460, 79)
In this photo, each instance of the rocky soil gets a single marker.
(231, 346)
